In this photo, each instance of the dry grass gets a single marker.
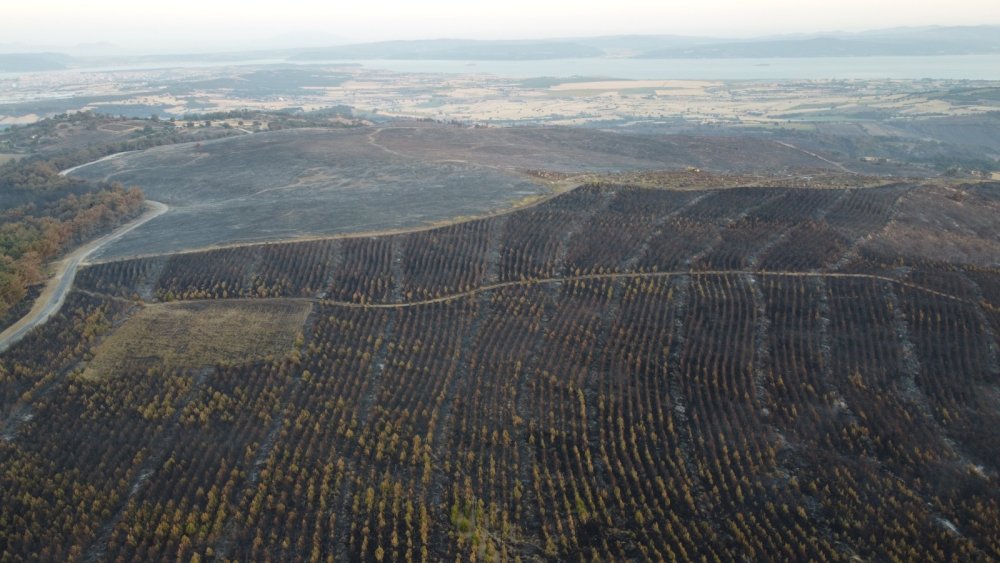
(199, 334)
(694, 179)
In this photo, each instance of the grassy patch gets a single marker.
(204, 333)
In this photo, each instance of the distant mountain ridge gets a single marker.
(909, 41)
(889, 42)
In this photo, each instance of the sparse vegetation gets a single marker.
(198, 335)
(617, 373)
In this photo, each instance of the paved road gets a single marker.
(58, 287)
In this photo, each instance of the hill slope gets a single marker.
(615, 373)
(316, 182)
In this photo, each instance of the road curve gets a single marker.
(58, 286)
(69, 171)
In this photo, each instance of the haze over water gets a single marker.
(957, 67)
(951, 67)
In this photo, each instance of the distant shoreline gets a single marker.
(939, 67)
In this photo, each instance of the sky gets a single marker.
(213, 25)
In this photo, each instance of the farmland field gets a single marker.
(616, 373)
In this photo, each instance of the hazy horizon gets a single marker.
(184, 26)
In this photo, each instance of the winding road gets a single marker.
(634, 275)
(54, 294)
(102, 159)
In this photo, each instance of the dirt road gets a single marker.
(59, 285)
(109, 157)
(639, 275)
